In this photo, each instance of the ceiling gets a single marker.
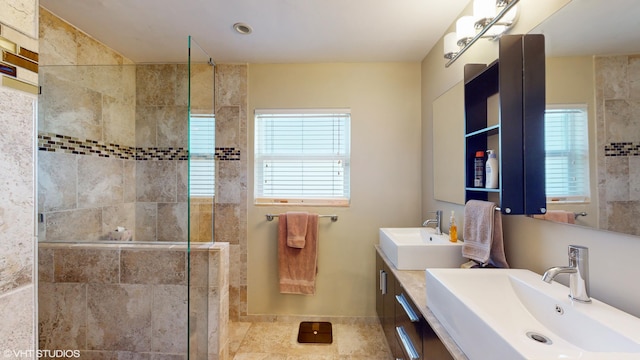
(284, 31)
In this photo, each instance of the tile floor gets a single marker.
(278, 341)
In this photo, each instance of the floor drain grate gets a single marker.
(539, 338)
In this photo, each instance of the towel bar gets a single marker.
(334, 218)
(577, 214)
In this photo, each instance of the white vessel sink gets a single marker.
(420, 248)
(522, 317)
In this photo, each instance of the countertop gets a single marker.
(414, 282)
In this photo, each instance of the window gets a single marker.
(302, 156)
(202, 130)
(567, 153)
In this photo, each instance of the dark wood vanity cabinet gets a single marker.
(504, 108)
(407, 332)
(385, 305)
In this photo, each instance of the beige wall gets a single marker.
(385, 180)
(531, 243)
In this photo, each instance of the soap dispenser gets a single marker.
(453, 229)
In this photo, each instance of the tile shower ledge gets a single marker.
(413, 281)
(155, 245)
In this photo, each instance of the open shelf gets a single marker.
(517, 80)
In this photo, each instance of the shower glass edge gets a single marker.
(201, 184)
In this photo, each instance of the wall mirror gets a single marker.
(448, 145)
(593, 60)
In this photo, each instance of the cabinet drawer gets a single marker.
(407, 345)
(409, 325)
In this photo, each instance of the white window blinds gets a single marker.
(202, 130)
(302, 156)
(567, 153)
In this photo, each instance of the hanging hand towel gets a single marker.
(558, 216)
(296, 229)
(482, 234)
(297, 267)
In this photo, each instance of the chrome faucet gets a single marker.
(437, 221)
(578, 271)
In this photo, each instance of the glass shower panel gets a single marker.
(201, 181)
(112, 154)
(201, 144)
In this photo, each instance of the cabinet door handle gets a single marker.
(409, 349)
(407, 308)
(383, 282)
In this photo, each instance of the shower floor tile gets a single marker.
(278, 341)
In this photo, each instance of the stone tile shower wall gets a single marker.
(162, 124)
(113, 141)
(231, 179)
(112, 301)
(18, 24)
(89, 177)
(85, 185)
(618, 150)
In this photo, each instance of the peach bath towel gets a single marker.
(483, 234)
(296, 228)
(297, 267)
(558, 216)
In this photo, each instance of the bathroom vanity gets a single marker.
(515, 310)
(399, 294)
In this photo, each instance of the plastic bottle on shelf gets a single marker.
(478, 172)
(491, 170)
(453, 228)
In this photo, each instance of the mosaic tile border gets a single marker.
(71, 145)
(622, 149)
(228, 153)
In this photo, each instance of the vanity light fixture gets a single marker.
(465, 30)
(502, 25)
(242, 28)
(451, 47)
(484, 11)
(485, 23)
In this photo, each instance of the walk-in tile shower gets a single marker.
(127, 261)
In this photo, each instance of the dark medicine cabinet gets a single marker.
(504, 108)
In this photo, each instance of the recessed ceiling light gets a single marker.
(242, 28)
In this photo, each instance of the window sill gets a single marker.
(302, 202)
(568, 200)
